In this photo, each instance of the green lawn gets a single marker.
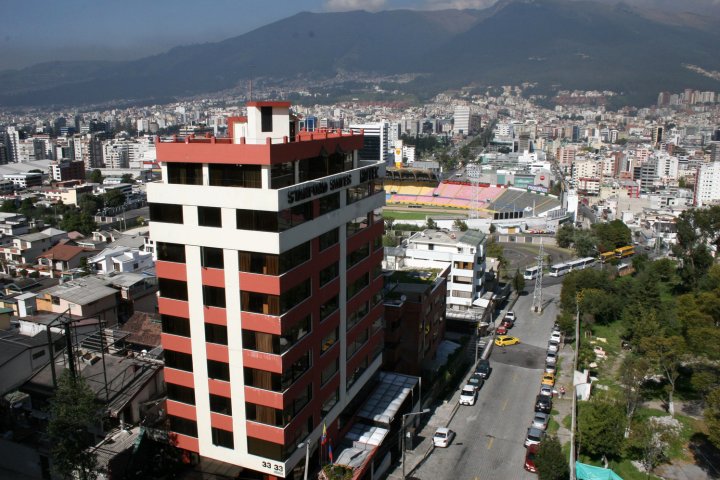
(552, 427)
(398, 215)
(628, 471)
(567, 422)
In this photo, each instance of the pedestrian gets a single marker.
(562, 391)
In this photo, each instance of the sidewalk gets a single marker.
(563, 406)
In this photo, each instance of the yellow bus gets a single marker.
(623, 252)
(606, 257)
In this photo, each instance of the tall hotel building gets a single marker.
(269, 247)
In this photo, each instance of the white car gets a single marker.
(552, 347)
(540, 420)
(551, 358)
(555, 337)
(511, 315)
(443, 437)
(534, 436)
(547, 390)
(468, 395)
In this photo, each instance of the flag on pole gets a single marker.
(330, 455)
(323, 437)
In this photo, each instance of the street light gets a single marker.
(403, 435)
(305, 444)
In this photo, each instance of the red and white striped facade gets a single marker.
(269, 250)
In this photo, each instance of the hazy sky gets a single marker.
(33, 31)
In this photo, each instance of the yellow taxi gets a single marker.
(502, 340)
(548, 379)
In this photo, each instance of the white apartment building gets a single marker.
(115, 155)
(121, 259)
(707, 189)
(463, 251)
(461, 119)
(666, 167)
(375, 141)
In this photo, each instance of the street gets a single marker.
(490, 435)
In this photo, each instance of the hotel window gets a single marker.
(181, 394)
(328, 203)
(218, 370)
(330, 402)
(257, 220)
(175, 325)
(358, 192)
(166, 213)
(178, 360)
(220, 404)
(329, 273)
(294, 216)
(357, 255)
(222, 438)
(328, 239)
(216, 334)
(171, 252)
(174, 289)
(357, 224)
(356, 344)
(213, 296)
(282, 175)
(184, 173)
(245, 176)
(209, 217)
(211, 257)
(296, 370)
(355, 287)
(357, 315)
(329, 307)
(182, 426)
(263, 414)
(277, 344)
(359, 370)
(329, 371)
(329, 340)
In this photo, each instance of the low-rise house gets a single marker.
(25, 249)
(61, 258)
(121, 259)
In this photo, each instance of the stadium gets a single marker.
(416, 188)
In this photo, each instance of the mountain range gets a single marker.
(556, 44)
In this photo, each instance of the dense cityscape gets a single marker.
(264, 283)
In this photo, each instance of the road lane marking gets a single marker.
(490, 443)
(505, 404)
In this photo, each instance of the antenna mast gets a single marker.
(537, 293)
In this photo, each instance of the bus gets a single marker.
(560, 269)
(623, 252)
(531, 273)
(581, 263)
(607, 256)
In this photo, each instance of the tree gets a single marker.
(460, 225)
(665, 355)
(127, 178)
(584, 243)
(612, 235)
(550, 460)
(602, 428)
(95, 176)
(518, 282)
(496, 251)
(650, 442)
(90, 204)
(72, 410)
(712, 416)
(9, 206)
(632, 373)
(431, 224)
(565, 235)
(389, 223)
(114, 198)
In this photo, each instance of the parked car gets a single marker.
(468, 395)
(540, 420)
(508, 322)
(552, 347)
(501, 330)
(548, 379)
(476, 381)
(534, 436)
(510, 315)
(543, 404)
(483, 368)
(530, 458)
(443, 436)
(550, 368)
(555, 336)
(504, 340)
(551, 358)
(547, 390)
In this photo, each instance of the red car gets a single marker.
(508, 322)
(530, 458)
(502, 330)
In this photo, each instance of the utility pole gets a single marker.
(537, 293)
